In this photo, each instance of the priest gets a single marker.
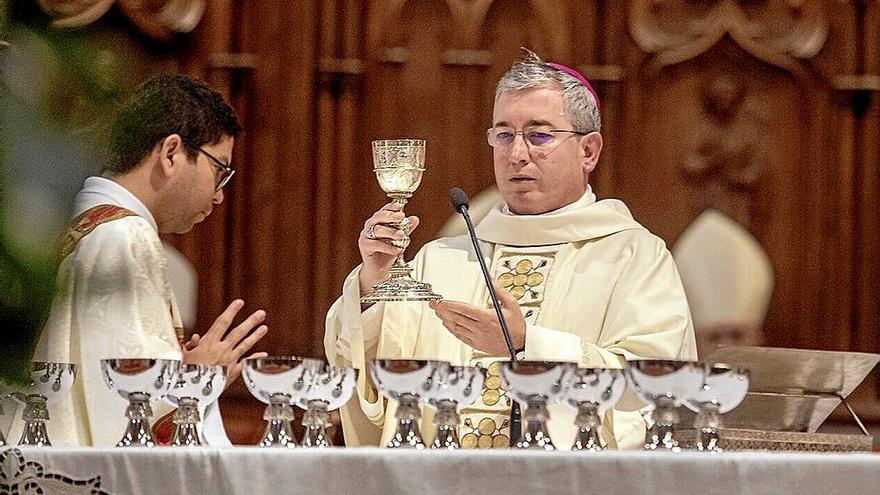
(582, 280)
(171, 147)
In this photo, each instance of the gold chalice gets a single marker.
(399, 164)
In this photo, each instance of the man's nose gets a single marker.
(519, 149)
(218, 197)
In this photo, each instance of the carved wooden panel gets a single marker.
(726, 110)
(159, 19)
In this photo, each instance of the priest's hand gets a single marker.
(374, 243)
(218, 347)
(479, 327)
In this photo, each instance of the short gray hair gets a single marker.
(531, 72)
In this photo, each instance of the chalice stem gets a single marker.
(398, 164)
(401, 268)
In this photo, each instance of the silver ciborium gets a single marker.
(407, 381)
(139, 381)
(50, 382)
(193, 384)
(399, 164)
(592, 391)
(459, 386)
(319, 389)
(724, 387)
(666, 385)
(536, 384)
(271, 380)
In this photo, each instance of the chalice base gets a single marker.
(446, 438)
(137, 434)
(186, 435)
(407, 436)
(35, 416)
(587, 440)
(279, 433)
(316, 420)
(707, 423)
(316, 437)
(707, 440)
(400, 286)
(587, 422)
(35, 434)
(662, 437)
(535, 437)
(186, 419)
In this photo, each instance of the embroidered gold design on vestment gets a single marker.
(524, 272)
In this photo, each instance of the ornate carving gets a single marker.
(75, 13)
(159, 19)
(20, 476)
(728, 159)
(777, 32)
(162, 19)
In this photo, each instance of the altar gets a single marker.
(367, 471)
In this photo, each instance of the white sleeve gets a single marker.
(350, 340)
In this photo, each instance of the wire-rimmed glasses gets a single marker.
(226, 172)
(540, 138)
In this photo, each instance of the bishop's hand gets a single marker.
(375, 243)
(479, 327)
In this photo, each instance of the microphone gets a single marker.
(461, 204)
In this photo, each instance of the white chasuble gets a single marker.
(595, 288)
(113, 300)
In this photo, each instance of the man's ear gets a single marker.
(592, 145)
(171, 154)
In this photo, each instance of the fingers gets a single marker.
(459, 324)
(380, 232)
(246, 344)
(457, 320)
(462, 333)
(221, 324)
(243, 328)
(413, 223)
(391, 206)
(447, 307)
(378, 246)
(505, 298)
(384, 223)
(192, 342)
(384, 216)
(389, 231)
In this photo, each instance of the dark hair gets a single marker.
(168, 104)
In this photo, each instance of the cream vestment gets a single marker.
(594, 286)
(114, 300)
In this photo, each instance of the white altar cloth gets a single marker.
(253, 471)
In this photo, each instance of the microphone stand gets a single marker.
(462, 208)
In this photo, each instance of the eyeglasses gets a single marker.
(226, 172)
(541, 138)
